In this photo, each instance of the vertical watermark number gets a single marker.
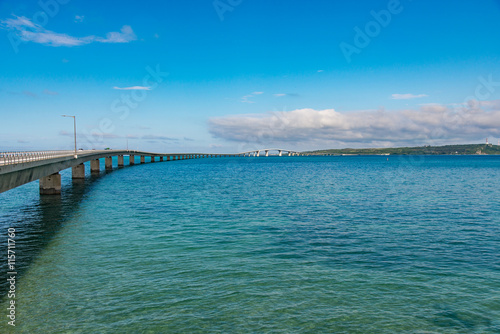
(11, 276)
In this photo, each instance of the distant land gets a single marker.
(421, 150)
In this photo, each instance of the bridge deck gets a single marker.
(17, 169)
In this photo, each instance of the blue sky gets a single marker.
(231, 75)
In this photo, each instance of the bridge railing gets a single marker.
(10, 158)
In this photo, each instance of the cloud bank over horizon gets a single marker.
(434, 124)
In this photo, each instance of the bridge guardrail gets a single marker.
(11, 158)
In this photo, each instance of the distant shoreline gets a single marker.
(468, 149)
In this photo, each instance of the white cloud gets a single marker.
(33, 32)
(126, 35)
(133, 88)
(431, 124)
(407, 96)
(79, 18)
(245, 99)
(287, 94)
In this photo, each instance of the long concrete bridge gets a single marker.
(19, 168)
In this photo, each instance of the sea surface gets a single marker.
(260, 245)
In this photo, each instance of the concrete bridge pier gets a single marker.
(120, 161)
(95, 166)
(153, 159)
(161, 159)
(108, 163)
(267, 153)
(132, 160)
(50, 185)
(77, 172)
(168, 157)
(143, 159)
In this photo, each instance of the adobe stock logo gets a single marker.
(372, 29)
(223, 6)
(50, 8)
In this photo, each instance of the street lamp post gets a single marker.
(74, 123)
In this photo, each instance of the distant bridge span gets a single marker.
(18, 168)
(280, 151)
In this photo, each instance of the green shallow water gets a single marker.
(262, 245)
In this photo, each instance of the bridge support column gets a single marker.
(50, 185)
(168, 157)
(143, 159)
(131, 160)
(280, 153)
(78, 172)
(95, 166)
(120, 161)
(267, 153)
(161, 159)
(153, 159)
(108, 163)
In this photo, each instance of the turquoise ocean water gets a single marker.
(261, 245)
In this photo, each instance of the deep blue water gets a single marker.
(261, 245)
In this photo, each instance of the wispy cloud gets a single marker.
(79, 18)
(246, 98)
(29, 31)
(102, 135)
(49, 92)
(30, 94)
(133, 88)
(407, 96)
(428, 124)
(286, 94)
(156, 137)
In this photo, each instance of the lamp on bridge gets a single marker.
(74, 123)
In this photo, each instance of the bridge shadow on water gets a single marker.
(37, 223)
